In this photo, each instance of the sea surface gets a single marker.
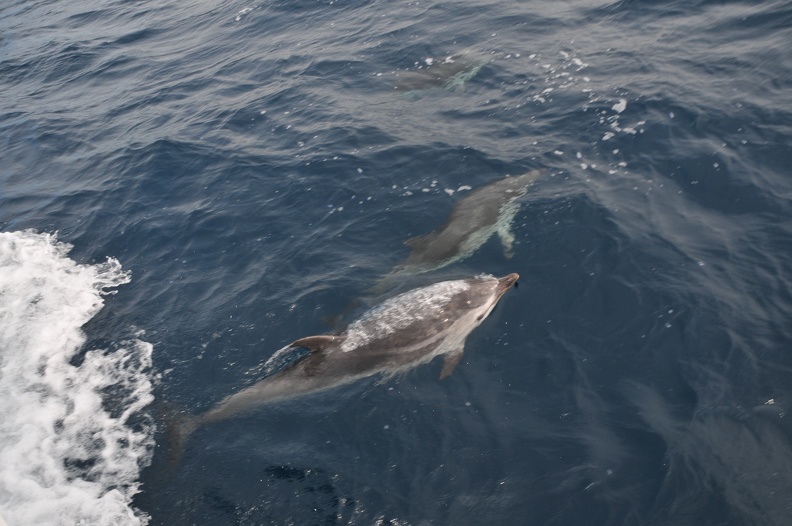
(186, 187)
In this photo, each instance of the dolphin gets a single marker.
(473, 220)
(401, 333)
(450, 74)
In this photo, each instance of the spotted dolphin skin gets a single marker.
(395, 336)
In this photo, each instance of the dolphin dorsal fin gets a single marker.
(450, 362)
(314, 343)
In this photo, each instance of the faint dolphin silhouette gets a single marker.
(473, 220)
(451, 74)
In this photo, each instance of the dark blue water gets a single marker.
(252, 167)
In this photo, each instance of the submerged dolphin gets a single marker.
(473, 220)
(450, 74)
(399, 334)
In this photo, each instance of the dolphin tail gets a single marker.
(179, 429)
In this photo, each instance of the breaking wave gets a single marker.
(73, 431)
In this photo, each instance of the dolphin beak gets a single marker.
(507, 282)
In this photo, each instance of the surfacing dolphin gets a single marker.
(473, 220)
(395, 336)
(449, 74)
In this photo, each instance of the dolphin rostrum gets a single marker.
(395, 336)
(473, 220)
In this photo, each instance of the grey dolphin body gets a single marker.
(397, 335)
(450, 74)
(473, 220)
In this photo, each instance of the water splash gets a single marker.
(73, 438)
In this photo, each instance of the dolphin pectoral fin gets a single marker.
(507, 239)
(314, 343)
(449, 364)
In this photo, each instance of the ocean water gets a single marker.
(186, 187)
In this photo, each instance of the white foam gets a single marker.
(400, 312)
(242, 13)
(72, 438)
